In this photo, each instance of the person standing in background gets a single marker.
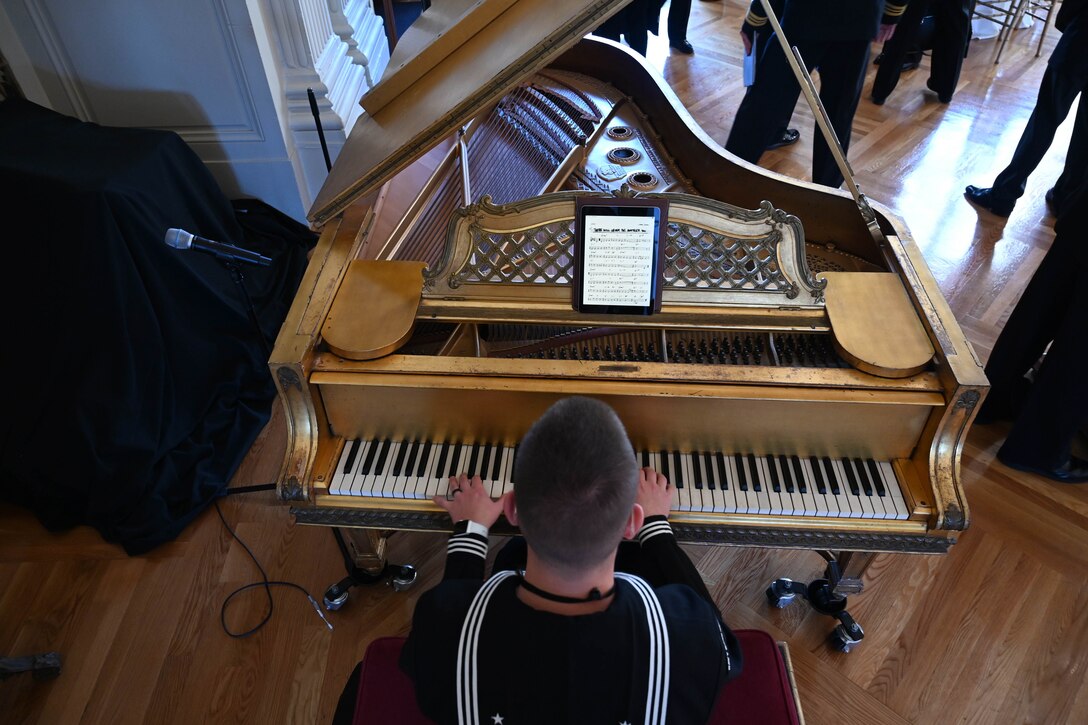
(1065, 78)
(833, 37)
(679, 12)
(952, 33)
(1048, 412)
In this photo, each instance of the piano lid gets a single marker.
(461, 56)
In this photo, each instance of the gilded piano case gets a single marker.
(805, 380)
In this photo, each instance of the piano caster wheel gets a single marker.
(842, 641)
(847, 635)
(404, 578)
(779, 594)
(337, 595)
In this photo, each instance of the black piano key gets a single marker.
(472, 460)
(645, 459)
(832, 479)
(514, 461)
(776, 484)
(443, 453)
(753, 468)
(424, 456)
(798, 474)
(863, 477)
(385, 470)
(410, 460)
(370, 454)
(457, 452)
(482, 465)
(708, 463)
(787, 474)
(351, 455)
(818, 474)
(874, 473)
(743, 479)
(696, 470)
(678, 469)
(723, 481)
(379, 464)
(851, 479)
(496, 465)
(663, 465)
(490, 451)
(398, 464)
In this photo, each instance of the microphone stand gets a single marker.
(239, 281)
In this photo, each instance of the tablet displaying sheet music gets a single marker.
(619, 253)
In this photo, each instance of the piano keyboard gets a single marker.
(705, 482)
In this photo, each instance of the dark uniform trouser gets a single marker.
(630, 22)
(952, 31)
(769, 102)
(679, 11)
(1053, 307)
(1058, 90)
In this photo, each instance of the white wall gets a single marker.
(229, 76)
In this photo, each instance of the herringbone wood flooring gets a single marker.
(995, 632)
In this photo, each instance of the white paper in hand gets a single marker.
(750, 64)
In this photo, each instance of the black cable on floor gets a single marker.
(265, 582)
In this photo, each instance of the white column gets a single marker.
(335, 47)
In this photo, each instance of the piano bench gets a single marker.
(764, 694)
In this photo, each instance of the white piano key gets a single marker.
(435, 482)
(726, 485)
(336, 486)
(358, 477)
(880, 509)
(868, 506)
(811, 500)
(733, 468)
(763, 498)
(717, 500)
(506, 456)
(464, 452)
(849, 505)
(712, 499)
(695, 495)
(791, 502)
(894, 491)
(384, 486)
(402, 487)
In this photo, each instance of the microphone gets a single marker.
(181, 239)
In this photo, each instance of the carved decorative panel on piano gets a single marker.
(804, 385)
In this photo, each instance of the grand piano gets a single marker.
(805, 383)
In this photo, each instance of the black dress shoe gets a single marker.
(1075, 470)
(985, 198)
(911, 61)
(785, 137)
(878, 100)
(944, 98)
(683, 46)
(1052, 202)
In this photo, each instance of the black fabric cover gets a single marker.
(134, 382)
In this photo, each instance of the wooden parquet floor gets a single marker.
(995, 632)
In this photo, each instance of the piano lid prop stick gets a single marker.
(797, 63)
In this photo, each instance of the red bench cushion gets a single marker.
(760, 696)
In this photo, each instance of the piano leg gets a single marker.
(828, 595)
(364, 558)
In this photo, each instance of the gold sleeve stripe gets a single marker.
(756, 21)
(894, 11)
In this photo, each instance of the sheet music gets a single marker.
(618, 261)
